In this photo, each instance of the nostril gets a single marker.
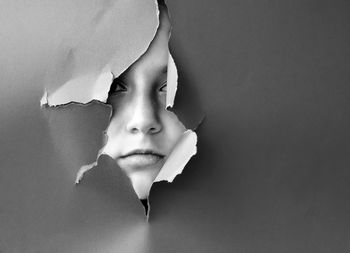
(144, 121)
(146, 130)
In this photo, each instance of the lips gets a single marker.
(141, 159)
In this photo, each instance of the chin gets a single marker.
(142, 178)
(141, 170)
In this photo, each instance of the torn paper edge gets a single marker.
(172, 78)
(185, 148)
(171, 82)
(157, 10)
(99, 90)
(43, 100)
(88, 167)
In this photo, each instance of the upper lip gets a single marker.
(142, 152)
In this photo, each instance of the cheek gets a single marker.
(162, 99)
(116, 129)
(118, 119)
(172, 129)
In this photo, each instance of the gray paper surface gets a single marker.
(272, 174)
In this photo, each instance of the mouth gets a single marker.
(141, 159)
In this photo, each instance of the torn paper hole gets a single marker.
(147, 141)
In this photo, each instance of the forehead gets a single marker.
(153, 63)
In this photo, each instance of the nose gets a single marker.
(144, 116)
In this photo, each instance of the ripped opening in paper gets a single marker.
(147, 141)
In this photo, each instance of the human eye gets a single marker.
(163, 87)
(118, 86)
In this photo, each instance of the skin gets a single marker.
(142, 133)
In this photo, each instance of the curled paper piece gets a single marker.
(185, 148)
(43, 100)
(84, 169)
(71, 91)
(172, 82)
(85, 63)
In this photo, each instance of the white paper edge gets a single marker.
(185, 148)
(171, 82)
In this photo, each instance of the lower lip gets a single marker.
(139, 161)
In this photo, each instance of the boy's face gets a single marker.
(142, 132)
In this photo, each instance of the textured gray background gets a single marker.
(272, 174)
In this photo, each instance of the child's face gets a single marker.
(142, 132)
